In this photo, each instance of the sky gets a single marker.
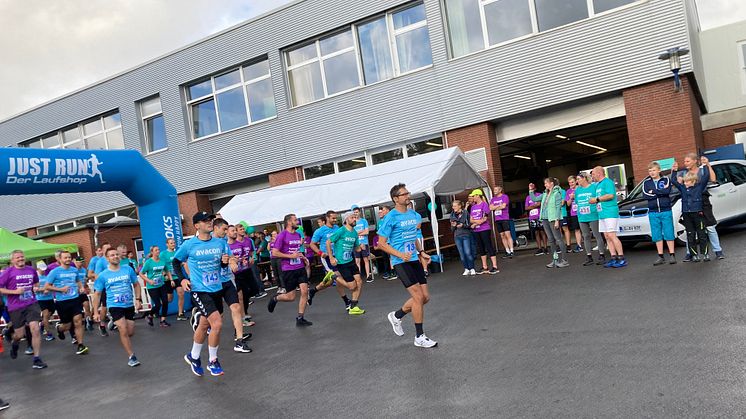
(52, 47)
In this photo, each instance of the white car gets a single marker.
(728, 203)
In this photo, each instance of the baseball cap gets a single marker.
(202, 216)
(80, 259)
(41, 265)
(354, 207)
(476, 192)
(347, 215)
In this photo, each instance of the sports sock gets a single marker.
(196, 349)
(400, 314)
(418, 326)
(346, 299)
(213, 351)
(660, 255)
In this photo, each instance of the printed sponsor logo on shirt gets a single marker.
(35, 170)
(204, 252)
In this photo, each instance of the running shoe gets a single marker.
(60, 335)
(165, 324)
(369, 279)
(245, 338)
(302, 322)
(240, 346)
(660, 261)
(280, 290)
(133, 361)
(311, 294)
(695, 259)
(620, 263)
(552, 264)
(672, 259)
(396, 324)
(356, 311)
(393, 275)
(73, 340)
(610, 263)
(215, 368)
(4, 405)
(422, 341)
(29, 351)
(88, 324)
(273, 302)
(111, 324)
(601, 260)
(569, 249)
(260, 295)
(588, 260)
(248, 323)
(706, 257)
(385, 276)
(49, 337)
(507, 256)
(562, 264)
(720, 255)
(247, 318)
(472, 272)
(38, 364)
(687, 258)
(481, 271)
(578, 248)
(348, 306)
(493, 271)
(82, 349)
(195, 364)
(181, 317)
(102, 329)
(14, 350)
(466, 272)
(150, 320)
(539, 252)
(328, 278)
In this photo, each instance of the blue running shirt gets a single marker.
(401, 232)
(118, 286)
(203, 260)
(60, 278)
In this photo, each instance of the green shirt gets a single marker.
(154, 271)
(168, 257)
(344, 243)
(607, 209)
(586, 211)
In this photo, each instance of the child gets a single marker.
(657, 191)
(691, 208)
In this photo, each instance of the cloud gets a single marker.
(714, 13)
(53, 47)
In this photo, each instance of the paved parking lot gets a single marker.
(579, 342)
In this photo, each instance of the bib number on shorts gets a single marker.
(211, 278)
(584, 210)
(534, 212)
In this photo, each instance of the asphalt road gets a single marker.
(641, 341)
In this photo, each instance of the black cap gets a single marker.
(202, 216)
(80, 259)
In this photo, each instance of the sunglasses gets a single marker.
(403, 194)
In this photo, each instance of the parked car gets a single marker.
(728, 203)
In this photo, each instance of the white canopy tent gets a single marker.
(444, 172)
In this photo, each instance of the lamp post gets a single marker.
(673, 55)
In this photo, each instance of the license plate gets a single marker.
(630, 228)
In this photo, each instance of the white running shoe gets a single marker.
(466, 272)
(423, 341)
(472, 272)
(396, 324)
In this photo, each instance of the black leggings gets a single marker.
(484, 243)
(158, 300)
(696, 233)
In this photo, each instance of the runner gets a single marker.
(84, 301)
(205, 257)
(229, 292)
(588, 219)
(383, 261)
(101, 265)
(500, 205)
(65, 282)
(398, 238)
(256, 285)
(608, 216)
(292, 268)
(155, 275)
(343, 243)
(482, 231)
(572, 217)
(54, 264)
(19, 282)
(362, 258)
(118, 281)
(533, 208)
(245, 282)
(45, 300)
(551, 216)
(657, 191)
(168, 257)
(320, 236)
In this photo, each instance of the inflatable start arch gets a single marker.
(26, 171)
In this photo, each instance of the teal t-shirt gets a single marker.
(607, 209)
(344, 243)
(154, 271)
(168, 257)
(586, 211)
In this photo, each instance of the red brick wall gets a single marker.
(719, 137)
(189, 204)
(480, 136)
(83, 238)
(661, 123)
(283, 177)
(120, 235)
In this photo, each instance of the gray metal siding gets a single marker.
(600, 55)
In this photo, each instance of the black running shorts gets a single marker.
(502, 225)
(68, 309)
(348, 271)
(229, 293)
(292, 279)
(364, 251)
(118, 312)
(208, 302)
(410, 273)
(26, 315)
(572, 222)
(46, 305)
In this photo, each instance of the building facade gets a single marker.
(525, 87)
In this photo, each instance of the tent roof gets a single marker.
(443, 172)
(33, 249)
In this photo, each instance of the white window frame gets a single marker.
(393, 33)
(81, 133)
(214, 96)
(144, 118)
(742, 64)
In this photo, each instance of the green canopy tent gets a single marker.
(33, 249)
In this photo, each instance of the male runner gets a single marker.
(229, 292)
(383, 261)
(362, 258)
(45, 300)
(19, 282)
(244, 276)
(292, 268)
(398, 238)
(118, 281)
(608, 216)
(243, 237)
(168, 256)
(83, 273)
(345, 242)
(205, 257)
(101, 265)
(65, 281)
(320, 236)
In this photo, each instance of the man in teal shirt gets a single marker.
(341, 247)
(608, 216)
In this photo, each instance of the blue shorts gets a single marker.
(661, 226)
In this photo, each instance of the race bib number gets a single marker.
(599, 207)
(27, 295)
(71, 292)
(122, 298)
(211, 278)
(498, 212)
(534, 212)
(347, 255)
(574, 208)
(585, 210)
(295, 261)
(410, 247)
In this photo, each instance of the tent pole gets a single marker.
(434, 226)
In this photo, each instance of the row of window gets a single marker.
(130, 212)
(374, 50)
(372, 158)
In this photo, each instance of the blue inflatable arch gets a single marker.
(25, 171)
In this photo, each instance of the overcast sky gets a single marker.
(52, 47)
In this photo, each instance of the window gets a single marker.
(383, 47)
(424, 147)
(85, 220)
(390, 155)
(99, 133)
(740, 137)
(153, 125)
(100, 219)
(474, 25)
(44, 230)
(234, 99)
(738, 173)
(351, 164)
(64, 226)
(318, 170)
(742, 64)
